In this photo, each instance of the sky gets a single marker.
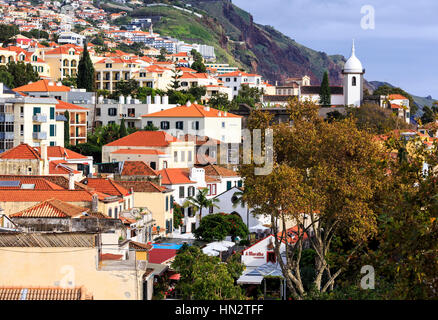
(400, 48)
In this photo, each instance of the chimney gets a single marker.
(94, 202)
(121, 99)
(44, 151)
(128, 99)
(157, 99)
(225, 113)
(207, 108)
(188, 104)
(58, 84)
(93, 99)
(100, 100)
(166, 99)
(148, 100)
(71, 181)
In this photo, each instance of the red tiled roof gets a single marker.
(38, 182)
(218, 171)
(143, 186)
(138, 151)
(192, 111)
(23, 195)
(42, 86)
(161, 255)
(52, 208)
(107, 186)
(397, 97)
(145, 139)
(61, 152)
(137, 168)
(110, 256)
(22, 151)
(175, 176)
(62, 105)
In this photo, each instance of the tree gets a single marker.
(216, 227)
(178, 216)
(127, 88)
(7, 32)
(324, 177)
(248, 95)
(67, 128)
(200, 201)
(212, 228)
(21, 73)
(70, 81)
(176, 74)
(85, 78)
(429, 114)
(324, 94)
(162, 56)
(376, 119)
(6, 78)
(204, 277)
(197, 92)
(220, 101)
(198, 63)
(123, 131)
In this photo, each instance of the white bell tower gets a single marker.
(353, 80)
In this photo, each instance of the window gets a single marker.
(353, 81)
(131, 112)
(52, 113)
(270, 257)
(227, 79)
(183, 156)
(213, 189)
(223, 124)
(167, 203)
(179, 125)
(112, 112)
(36, 128)
(52, 143)
(98, 112)
(190, 212)
(110, 212)
(108, 65)
(191, 191)
(175, 156)
(164, 125)
(36, 110)
(115, 212)
(181, 192)
(52, 130)
(235, 88)
(210, 209)
(195, 125)
(164, 164)
(189, 156)
(239, 183)
(153, 165)
(228, 185)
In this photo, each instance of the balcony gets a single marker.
(39, 118)
(6, 117)
(39, 135)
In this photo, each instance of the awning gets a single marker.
(245, 279)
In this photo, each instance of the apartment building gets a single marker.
(28, 120)
(77, 119)
(63, 61)
(236, 79)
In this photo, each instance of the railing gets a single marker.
(39, 135)
(39, 118)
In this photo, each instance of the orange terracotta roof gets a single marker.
(143, 186)
(137, 168)
(43, 85)
(62, 105)
(192, 111)
(175, 176)
(145, 139)
(107, 186)
(218, 171)
(22, 151)
(39, 183)
(61, 152)
(138, 151)
(51, 208)
(239, 74)
(397, 97)
(42, 195)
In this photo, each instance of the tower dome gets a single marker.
(353, 64)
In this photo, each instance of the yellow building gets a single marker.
(63, 61)
(71, 260)
(111, 70)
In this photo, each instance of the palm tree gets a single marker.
(200, 201)
(238, 198)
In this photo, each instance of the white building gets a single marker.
(198, 120)
(353, 80)
(236, 79)
(72, 38)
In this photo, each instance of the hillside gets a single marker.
(241, 42)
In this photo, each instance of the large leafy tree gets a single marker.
(250, 96)
(216, 227)
(85, 78)
(220, 101)
(198, 63)
(324, 178)
(18, 74)
(324, 94)
(206, 278)
(200, 201)
(127, 88)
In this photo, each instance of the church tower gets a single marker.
(353, 80)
